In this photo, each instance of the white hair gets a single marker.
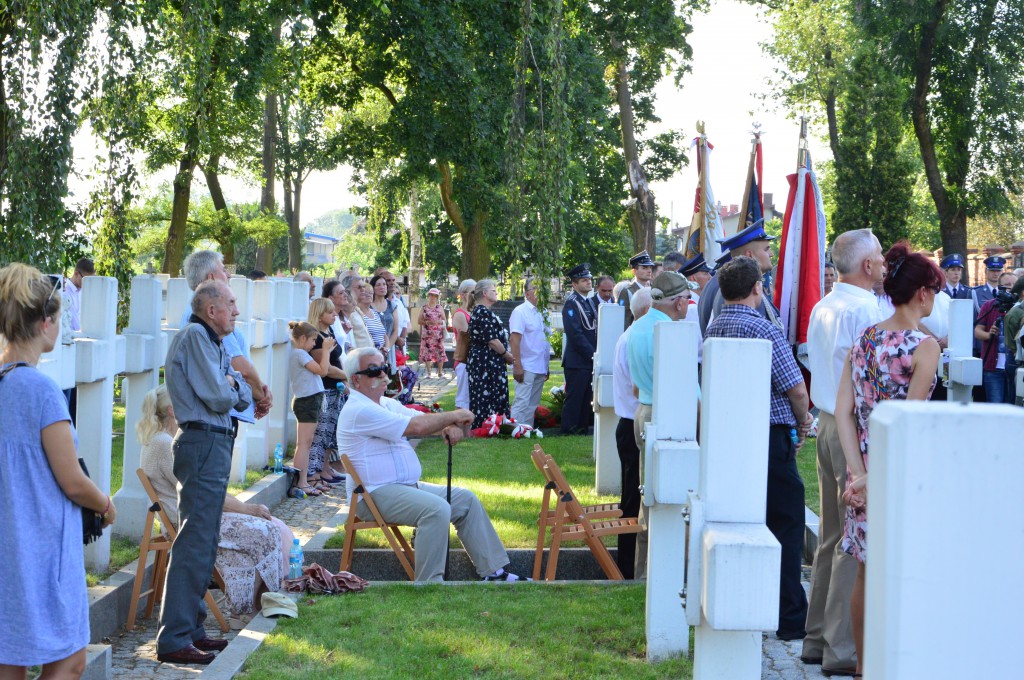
(350, 362)
(198, 266)
(851, 248)
(466, 286)
(617, 290)
(640, 302)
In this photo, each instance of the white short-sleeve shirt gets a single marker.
(373, 437)
(534, 349)
(622, 384)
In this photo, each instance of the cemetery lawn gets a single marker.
(482, 631)
(501, 473)
(807, 464)
(557, 377)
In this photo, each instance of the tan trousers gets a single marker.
(643, 416)
(424, 506)
(829, 630)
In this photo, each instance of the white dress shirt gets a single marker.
(73, 299)
(402, 318)
(622, 384)
(373, 437)
(836, 323)
(534, 350)
(693, 316)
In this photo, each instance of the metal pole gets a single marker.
(448, 496)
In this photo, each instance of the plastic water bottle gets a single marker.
(793, 436)
(295, 560)
(278, 459)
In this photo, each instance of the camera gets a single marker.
(1005, 300)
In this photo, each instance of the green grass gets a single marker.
(117, 449)
(807, 464)
(501, 473)
(122, 551)
(524, 631)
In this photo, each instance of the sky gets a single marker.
(729, 71)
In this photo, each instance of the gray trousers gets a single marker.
(424, 506)
(643, 416)
(202, 461)
(829, 629)
(528, 394)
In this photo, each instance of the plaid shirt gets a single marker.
(740, 321)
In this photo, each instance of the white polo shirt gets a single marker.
(534, 349)
(836, 322)
(622, 384)
(373, 436)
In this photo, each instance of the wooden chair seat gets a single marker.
(571, 521)
(161, 545)
(403, 550)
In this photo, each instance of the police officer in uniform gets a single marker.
(953, 266)
(697, 271)
(751, 242)
(643, 272)
(994, 266)
(579, 321)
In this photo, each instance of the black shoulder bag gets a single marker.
(92, 521)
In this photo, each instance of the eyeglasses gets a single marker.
(373, 371)
(56, 285)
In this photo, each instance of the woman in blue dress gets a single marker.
(45, 607)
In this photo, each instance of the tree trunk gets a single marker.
(642, 211)
(476, 254)
(265, 254)
(174, 248)
(295, 240)
(225, 238)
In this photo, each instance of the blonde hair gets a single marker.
(154, 412)
(301, 329)
(478, 291)
(27, 296)
(317, 308)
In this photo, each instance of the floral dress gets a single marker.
(487, 371)
(432, 337)
(881, 363)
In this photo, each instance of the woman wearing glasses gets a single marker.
(489, 356)
(894, 359)
(45, 608)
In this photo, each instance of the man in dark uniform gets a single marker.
(698, 271)
(643, 270)
(752, 242)
(579, 321)
(953, 266)
(993, 268)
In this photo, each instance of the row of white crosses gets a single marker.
(99, 354)
(940, 496)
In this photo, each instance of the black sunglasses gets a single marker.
(373, 371)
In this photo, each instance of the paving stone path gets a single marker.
(134, 653)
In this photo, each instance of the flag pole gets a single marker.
(754, 143)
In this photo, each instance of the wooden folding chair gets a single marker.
(570, 521)
(392, 532)
(161, 545)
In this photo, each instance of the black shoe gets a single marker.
(791, 635)
(811, 660)
(209, 644)
(845, 672)
(187, 654)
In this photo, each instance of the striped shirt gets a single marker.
(740, 321)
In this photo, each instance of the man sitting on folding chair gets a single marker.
(372, 431)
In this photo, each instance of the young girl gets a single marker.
(308, 388)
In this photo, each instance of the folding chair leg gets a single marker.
(212, 606)
(140, 572)
(556, 542)
(350, 537)
(604, 559)
(542, 530)
(156, 584)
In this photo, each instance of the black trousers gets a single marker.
(578, 410)
(785, 519)
(629, 502)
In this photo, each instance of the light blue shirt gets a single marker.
(234, 344)
(640, 352)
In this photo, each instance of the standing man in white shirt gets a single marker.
(626, 404)
(836, 323)
(531, 353)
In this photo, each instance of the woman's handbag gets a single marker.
(92, 521)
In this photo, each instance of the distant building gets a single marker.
(731, 216)
(319, 248)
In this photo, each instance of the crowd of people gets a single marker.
(877, 334)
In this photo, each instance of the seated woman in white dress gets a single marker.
(253, 550)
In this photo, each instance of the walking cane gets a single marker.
(449, 498)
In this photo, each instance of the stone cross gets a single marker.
(243, 290)
(945, 546)
(608, 473)
(670, 469)
(145, 350)
(964, 370)
(732, 585)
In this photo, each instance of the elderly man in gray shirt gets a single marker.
(203, 388)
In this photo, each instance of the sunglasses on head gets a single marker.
(373, 371)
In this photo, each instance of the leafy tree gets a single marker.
(333, 223)
(357, 247)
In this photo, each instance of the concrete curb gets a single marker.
(98, 662)
(229, 662)
(109, 601)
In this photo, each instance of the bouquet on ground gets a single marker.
(498, 424)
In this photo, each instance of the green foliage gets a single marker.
(333, 223)
(359, 248)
